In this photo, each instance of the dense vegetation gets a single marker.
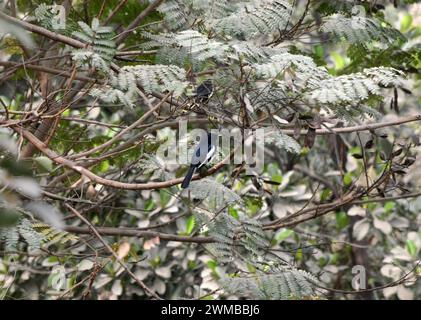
(91, 92)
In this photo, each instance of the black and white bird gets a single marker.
(204, 91)
(203, 153)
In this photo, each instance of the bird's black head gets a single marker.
(204, 90)
(206, 85)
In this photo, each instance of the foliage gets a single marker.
(357, 29)
(255, 19)
(91, 118)
(277, 283)
(101, 46)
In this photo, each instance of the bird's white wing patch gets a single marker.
(209, 156)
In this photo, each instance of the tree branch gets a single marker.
(42, 31)
(147, 290)
(131, 232)
(58, 72)
(136, 22)
(363, 127)
(106, 182)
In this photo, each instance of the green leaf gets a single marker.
(406, 22)
(342, 220)
(212, 264)
(150, 205)
(253, 205)
(347, 179)
(319, 51)
(326, 193)
(389, 206)
(277, 178)
(50, 261)
(283, 234)
(339, 61)
(411, 248)
(164, 196)
(104, 166)
(233, 212)
(190, 223)
(299, 255)
(8, 217)
(44, 163)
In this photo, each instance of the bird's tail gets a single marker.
(188, 177)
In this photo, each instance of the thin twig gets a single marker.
(147, 290)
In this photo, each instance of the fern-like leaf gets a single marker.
(283, 283)
(282, 141)
(100, 46)
(214, 192)
(255, 20)
(159, 78)
(355, 88)
(188, 44)
(34, 233)
(358, 29)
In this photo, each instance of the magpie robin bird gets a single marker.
(204, 91)
(203, 153)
